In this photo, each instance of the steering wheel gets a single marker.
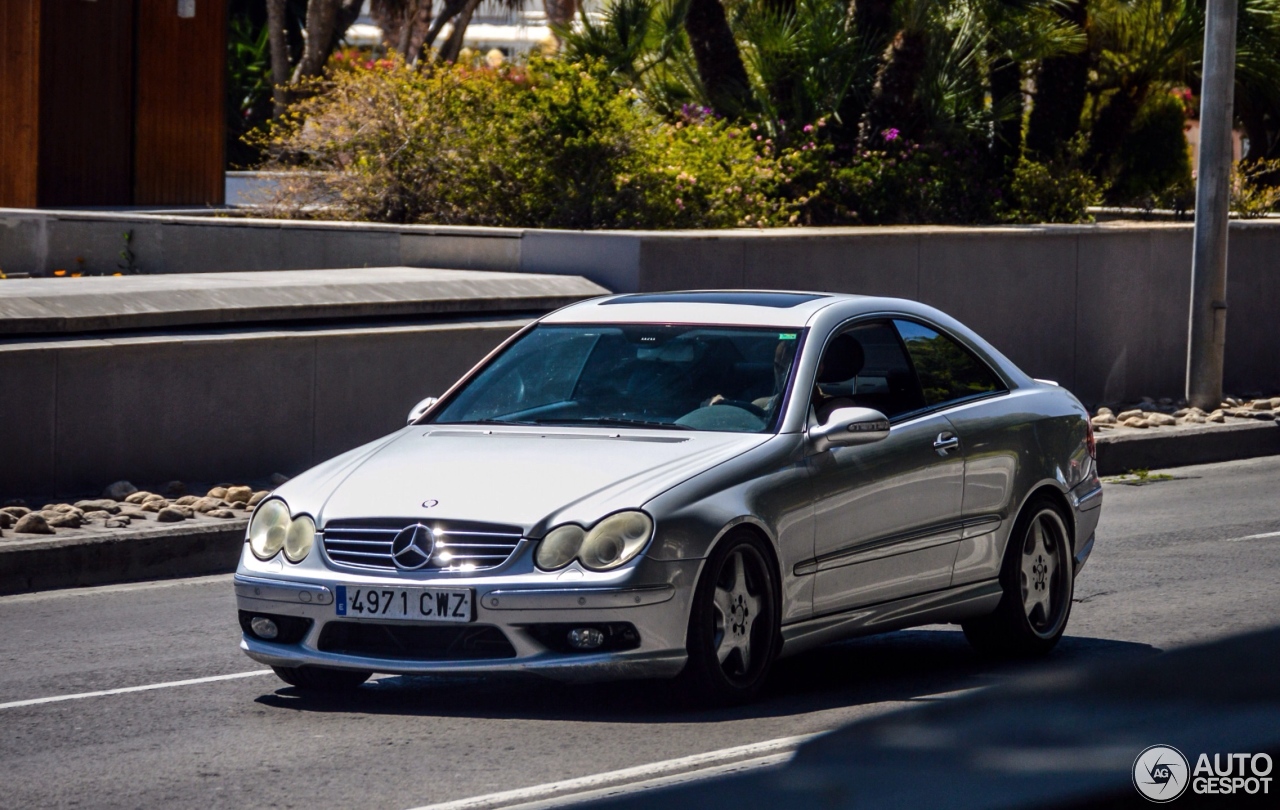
(749, 407)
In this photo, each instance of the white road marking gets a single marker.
(128, 587)
(127, 689)
(640, 777)
(771, 761)
(1251, 537)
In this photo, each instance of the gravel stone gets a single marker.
(217, 492)
(209, 504)
(99, 505)
(1104, 419)
(98, 515)
(32, 523)
(16, 511)
(170, 514)
(1217, 416)
(117, 522)
(1136, 422)
(138, 497)
(66, 520)
(1124, 416)
(258, 497)
(238, 494)
(187, 500)
(7, 520)
(119, 491)
(222, 513)
(1160, 420)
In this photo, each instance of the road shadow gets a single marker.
(908, 665)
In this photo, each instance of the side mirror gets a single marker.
(849, 426)
(421, 408)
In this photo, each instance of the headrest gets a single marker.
(843, 360)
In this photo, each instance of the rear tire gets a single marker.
(733, 635)
(1038, 578)
(322, 679)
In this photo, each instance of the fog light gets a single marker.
(264, 628)
(585, 638)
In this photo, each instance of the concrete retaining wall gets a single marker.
(76, 415)
(1101, 308)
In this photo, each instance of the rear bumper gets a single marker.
(1086, 502)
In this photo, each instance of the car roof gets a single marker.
(783, 308)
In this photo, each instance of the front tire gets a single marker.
(322, 679)
(733, 625)
(1038, 578)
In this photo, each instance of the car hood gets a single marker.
(532, 478)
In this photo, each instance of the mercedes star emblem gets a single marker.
(412, 547)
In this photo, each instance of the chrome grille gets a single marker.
(460, 545)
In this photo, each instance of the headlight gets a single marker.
(559, 547)
(299, 538)
(268, 528)
(615, 540)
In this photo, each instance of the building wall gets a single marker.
(111, 102)
(19, 112)
(181, 104)
(85, 155)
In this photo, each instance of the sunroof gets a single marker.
(777, 300)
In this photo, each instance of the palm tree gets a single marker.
(1061, 84)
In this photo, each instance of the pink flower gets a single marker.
(808, 127)
(890, 134)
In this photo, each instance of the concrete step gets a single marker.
(47, 306)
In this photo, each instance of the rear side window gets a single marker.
(948, 372)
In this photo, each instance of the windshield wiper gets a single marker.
(615, 422)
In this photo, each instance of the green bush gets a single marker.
(1054, 191)
(551, 144)
(1155, 160)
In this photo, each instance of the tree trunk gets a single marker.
(322, 19)
(1112, 125)
(451, 9)
(1006, 97)
(873, 22)
(893, 100)
(560, 12)
(1060, 92)
(279, 41)
(453, 45)
(347, 16)
(394, 17)
(719, 62)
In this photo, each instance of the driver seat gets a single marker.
(842, 361)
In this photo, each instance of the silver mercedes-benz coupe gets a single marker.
(685, 484)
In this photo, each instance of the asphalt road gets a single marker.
(1168, 570)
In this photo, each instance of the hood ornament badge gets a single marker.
(427, 504)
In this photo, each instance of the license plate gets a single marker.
(405, 604)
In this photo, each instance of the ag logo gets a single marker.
(1160, 773)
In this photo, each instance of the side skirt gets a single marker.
(951, 605)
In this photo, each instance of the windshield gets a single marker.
(674, 377)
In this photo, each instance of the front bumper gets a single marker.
(654, 600)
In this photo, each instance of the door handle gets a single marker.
(945, 443)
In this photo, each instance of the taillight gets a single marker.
(1090, 441)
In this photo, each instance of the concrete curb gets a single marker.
(46, 563)
(1157, 448)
